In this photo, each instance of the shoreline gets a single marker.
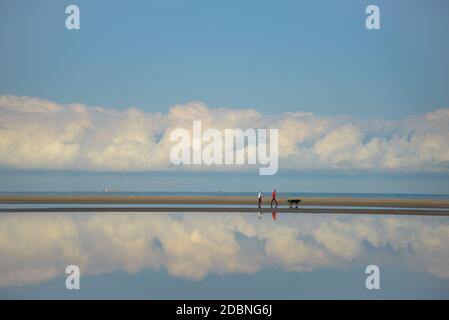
(219, 200)
(324, 210)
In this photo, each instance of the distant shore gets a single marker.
(218, 200)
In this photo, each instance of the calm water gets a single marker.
(222, 255)
(254, 194)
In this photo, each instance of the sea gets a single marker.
(230, 194)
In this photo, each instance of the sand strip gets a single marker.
(409, 212)
(220, 200)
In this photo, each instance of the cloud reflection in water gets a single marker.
(37, 247)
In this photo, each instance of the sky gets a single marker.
(351, 102)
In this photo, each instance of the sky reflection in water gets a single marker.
(222, 255)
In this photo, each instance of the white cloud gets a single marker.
(36, 133)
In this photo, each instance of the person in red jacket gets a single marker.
(273, 198)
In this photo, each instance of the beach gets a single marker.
(222, 200)
(336, 205)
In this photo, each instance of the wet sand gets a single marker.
(310, 210)
(223, 200)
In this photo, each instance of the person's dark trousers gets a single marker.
(260, 202)
(274, 200)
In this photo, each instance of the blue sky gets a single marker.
(272, 56)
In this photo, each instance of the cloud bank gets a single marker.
(41, 134)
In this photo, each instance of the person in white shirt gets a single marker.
(260, 197)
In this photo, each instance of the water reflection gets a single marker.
(36, 247)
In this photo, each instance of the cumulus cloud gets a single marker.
(37, 247)
(37, 133)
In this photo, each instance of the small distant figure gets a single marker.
(274, 215)
(260, 198)
(273, 198)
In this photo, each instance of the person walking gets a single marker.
(260, 197)
(273, 198)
